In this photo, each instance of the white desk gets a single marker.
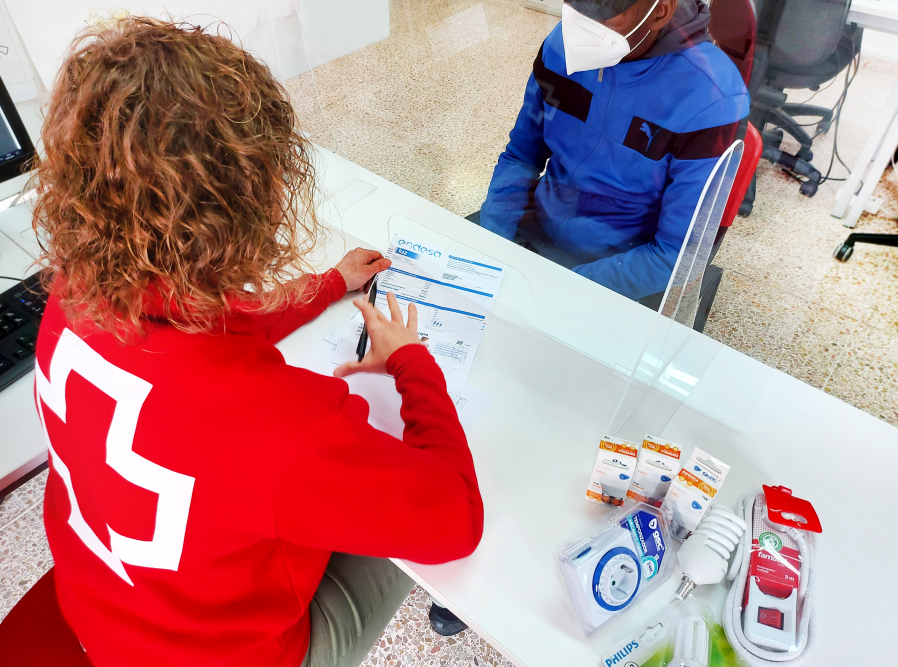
(22, 446)
(536, 445)
(880, 15)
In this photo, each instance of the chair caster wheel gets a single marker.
(843, 252)
(823, 126)
(808, 188)
(805, 154)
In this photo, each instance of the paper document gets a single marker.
(454, 296)
(380, 390)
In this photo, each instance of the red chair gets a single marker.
(733, 28)
(751, 155)
(36, 634)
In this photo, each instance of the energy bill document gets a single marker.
(454, 296)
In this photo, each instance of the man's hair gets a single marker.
(172, 163)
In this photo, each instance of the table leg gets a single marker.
(874, 141)
(883, 157)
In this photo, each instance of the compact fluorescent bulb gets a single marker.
(705, 554)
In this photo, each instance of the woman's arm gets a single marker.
(358, 490)
(318, 292)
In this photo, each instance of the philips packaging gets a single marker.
(683, 634)
(609, 572)
(656, 467)
(613, 472)
(691, 492)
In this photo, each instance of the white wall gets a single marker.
(880, 44)
(332, 28)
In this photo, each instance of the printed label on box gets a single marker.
(655, 469)
(691, 491)
(691, 480)
(613, 471)
(775, 560)
(647, 539)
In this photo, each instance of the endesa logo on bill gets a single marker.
(412, 250)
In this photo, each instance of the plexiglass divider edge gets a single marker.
(681, 299)
(674, 362)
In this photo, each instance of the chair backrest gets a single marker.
(733, 28)
(36, 634)
(809, 31)
(751, 155)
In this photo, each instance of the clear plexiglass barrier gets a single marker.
(683, 295)
(593, 196)
(474, 112)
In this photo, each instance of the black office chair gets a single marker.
(800, 44)
(846, 249)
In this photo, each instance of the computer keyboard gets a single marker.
(21, 310)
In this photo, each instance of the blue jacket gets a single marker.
(628, 148)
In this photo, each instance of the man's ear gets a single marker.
(662, 14)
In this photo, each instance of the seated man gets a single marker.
(607, 161)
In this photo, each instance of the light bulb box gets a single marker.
(613, 471)
(656, 466)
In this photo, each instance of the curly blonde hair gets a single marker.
(171, 160)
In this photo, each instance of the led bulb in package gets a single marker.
(608, 572)
(657, 465)
(613, 472)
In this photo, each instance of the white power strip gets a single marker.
(742, 639)
(548, 6)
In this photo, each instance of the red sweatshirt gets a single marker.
(198, 485)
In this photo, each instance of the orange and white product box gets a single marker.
(613, 471)
(657, 465)
(691, 492)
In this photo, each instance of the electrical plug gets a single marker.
(704, 556)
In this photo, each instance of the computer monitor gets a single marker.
(16, 149)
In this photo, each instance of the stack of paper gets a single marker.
(380, 390)
(454, 296)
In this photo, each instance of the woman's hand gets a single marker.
(386, 336)
(359, 266)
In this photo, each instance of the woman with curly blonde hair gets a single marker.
(208, 504)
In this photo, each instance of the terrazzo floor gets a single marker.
(430, 108)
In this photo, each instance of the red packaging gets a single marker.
(775, 560)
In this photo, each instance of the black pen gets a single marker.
(362, 347)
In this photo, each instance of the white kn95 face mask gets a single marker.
(589, 45)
